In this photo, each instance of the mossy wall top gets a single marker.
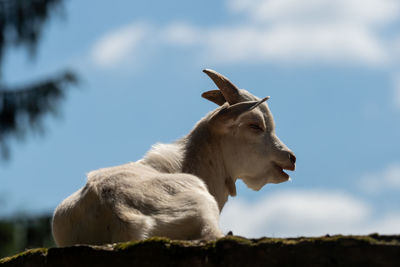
(372, 250)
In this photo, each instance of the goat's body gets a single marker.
(133, 202)
(178, 190)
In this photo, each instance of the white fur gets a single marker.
(177, 190)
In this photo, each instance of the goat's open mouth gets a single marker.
(281, 172)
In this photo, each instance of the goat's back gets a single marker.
(132, 202)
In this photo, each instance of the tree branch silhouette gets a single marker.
(23, 108)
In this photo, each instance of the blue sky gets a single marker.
(330, 67)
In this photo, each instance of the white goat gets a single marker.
(178, 190)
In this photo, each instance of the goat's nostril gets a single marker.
(292, 157)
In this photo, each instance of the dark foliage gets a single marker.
(20, 233)
(22, 108)
(6, 239)
(21, 21)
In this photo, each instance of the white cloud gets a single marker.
(279, 31)
(288, 31)
(286, 44)
(389, 224)
(322, 31)
(295, 44)
(114, 47)
(181, 34)
(386, 180)
(304, 213)
(361, 12)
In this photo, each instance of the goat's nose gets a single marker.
(292, 157)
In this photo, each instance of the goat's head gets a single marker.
(246, 133)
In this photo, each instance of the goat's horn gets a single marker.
(228, 89)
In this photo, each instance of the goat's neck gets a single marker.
(202, 157)
(199, 154)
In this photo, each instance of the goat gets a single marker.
(178, 190)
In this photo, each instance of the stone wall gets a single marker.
(372, 250)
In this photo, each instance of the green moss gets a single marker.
(371, 239)
(27, 253)
(235, 239)
(152, 240)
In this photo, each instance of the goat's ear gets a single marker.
(214, 96)
(227, 115)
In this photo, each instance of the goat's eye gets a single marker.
(256, 127)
